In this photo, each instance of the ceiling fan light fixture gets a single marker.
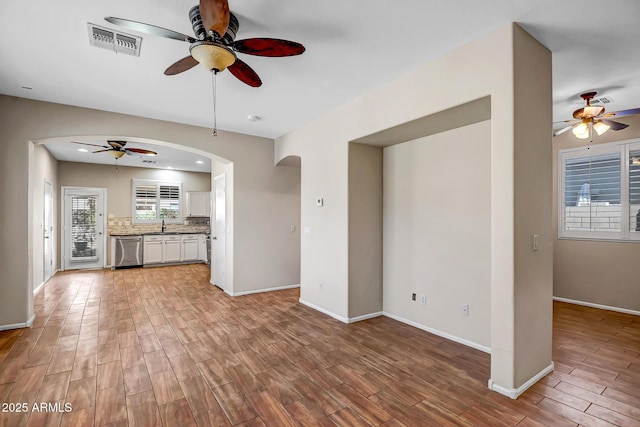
(212, 55)
(582, 130)
(116, 154)
(601, 127)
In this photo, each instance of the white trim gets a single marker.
(514, 393)
(259, 291)
(26, 324)
(322, 310)
(440, 333)
(365, 317)
(600, 306)
(41, 285)
(38, 288)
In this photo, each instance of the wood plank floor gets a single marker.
(152, 347)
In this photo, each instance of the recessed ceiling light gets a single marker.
(253, 118)
(83, 150)
(200, 162)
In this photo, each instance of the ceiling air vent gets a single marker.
(602, 100)
(114, 40)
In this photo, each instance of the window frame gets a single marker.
(618, 147)
(157, 183)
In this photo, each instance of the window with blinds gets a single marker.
(599, 192)
(154, 201)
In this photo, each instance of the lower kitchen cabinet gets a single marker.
(171, 249)
(190, 247)
(153, 249)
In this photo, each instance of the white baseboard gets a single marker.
(18, 325)
(600, 306)
(365, 317)
(440, 333)
(322, 310)
(38, 288)
(513, 393)
(259, 291)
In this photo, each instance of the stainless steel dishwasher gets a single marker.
(128, 251)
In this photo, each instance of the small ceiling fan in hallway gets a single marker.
(117, 149)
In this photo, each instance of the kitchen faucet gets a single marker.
(163, 225)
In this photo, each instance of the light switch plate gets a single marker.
(319, 202)
(307, 231)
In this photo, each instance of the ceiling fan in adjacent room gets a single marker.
(593, 117)
(214, 45)
(117, 149)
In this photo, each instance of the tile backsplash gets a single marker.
(120, 225)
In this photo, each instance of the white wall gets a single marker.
(437, 231)
(514, 70)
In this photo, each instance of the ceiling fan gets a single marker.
(593, 117)
(117, 149)
(214, 46)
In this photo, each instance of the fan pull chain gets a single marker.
(214, 75)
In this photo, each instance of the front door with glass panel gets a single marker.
(83, 216)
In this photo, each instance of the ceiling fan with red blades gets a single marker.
(214, 45)
(117, 149)
(593, 117)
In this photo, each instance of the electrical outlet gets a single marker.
(413, 297)
(465, 310)
(423, 299)
(321, 286)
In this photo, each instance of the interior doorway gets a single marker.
(218, 251)
(83, 242)
(47, 232)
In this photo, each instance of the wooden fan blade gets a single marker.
(149, 29)
(614, 125)
(215, 16)
(186, 63)
(102, 151)
(141, 151)
(563, 130)
(93, 145)
(245, 73)
(623, 113)
(268, 47)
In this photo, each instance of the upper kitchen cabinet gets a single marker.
(198, 203)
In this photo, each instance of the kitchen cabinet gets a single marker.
(202, 248)
(173, 248)
(153, 249)
(172, 251)
(198, 203)
(190, 247)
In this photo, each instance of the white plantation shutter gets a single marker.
(634, 191)
(169, 201)
(592, 193)
(155, 201)
(599, 192)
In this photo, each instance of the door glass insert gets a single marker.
(83, 227)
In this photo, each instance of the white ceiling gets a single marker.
(167, 158)
(352, 47)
